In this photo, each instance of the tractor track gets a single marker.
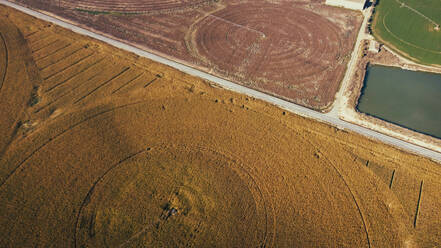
(3, 78)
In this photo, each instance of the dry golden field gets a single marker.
(103, 148)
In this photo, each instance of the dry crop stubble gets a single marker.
(18, 76)
(71, 139)
(156, 157)
(193, 186)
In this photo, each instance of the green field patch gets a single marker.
(410, 27)
(431, 9)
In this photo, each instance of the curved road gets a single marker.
(330, 118)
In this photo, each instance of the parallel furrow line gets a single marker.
(61, 59)
(69, 78)
(67, 67)
(47, 45)
(53, 52)
(70, 91)
(102, 85)
(126, 84)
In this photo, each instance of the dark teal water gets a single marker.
(407, 98)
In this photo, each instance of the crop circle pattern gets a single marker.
(176, 205)
(267, 41)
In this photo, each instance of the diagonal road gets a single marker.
(331, 118)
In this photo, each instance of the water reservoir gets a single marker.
(406, 98)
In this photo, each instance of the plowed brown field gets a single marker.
(116, 150)
(296, 50)
(134, 6)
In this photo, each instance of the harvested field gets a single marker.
(124, 152)
(297, 51)
(133, 6)
(17, 78)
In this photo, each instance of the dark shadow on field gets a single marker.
(20, 76)
(53, 170)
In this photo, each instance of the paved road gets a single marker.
(327, 118)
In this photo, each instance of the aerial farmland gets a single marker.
(103, 147)
(300, 55)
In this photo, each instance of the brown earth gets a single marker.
(121, 151)
(296, 50)
(134, 6)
